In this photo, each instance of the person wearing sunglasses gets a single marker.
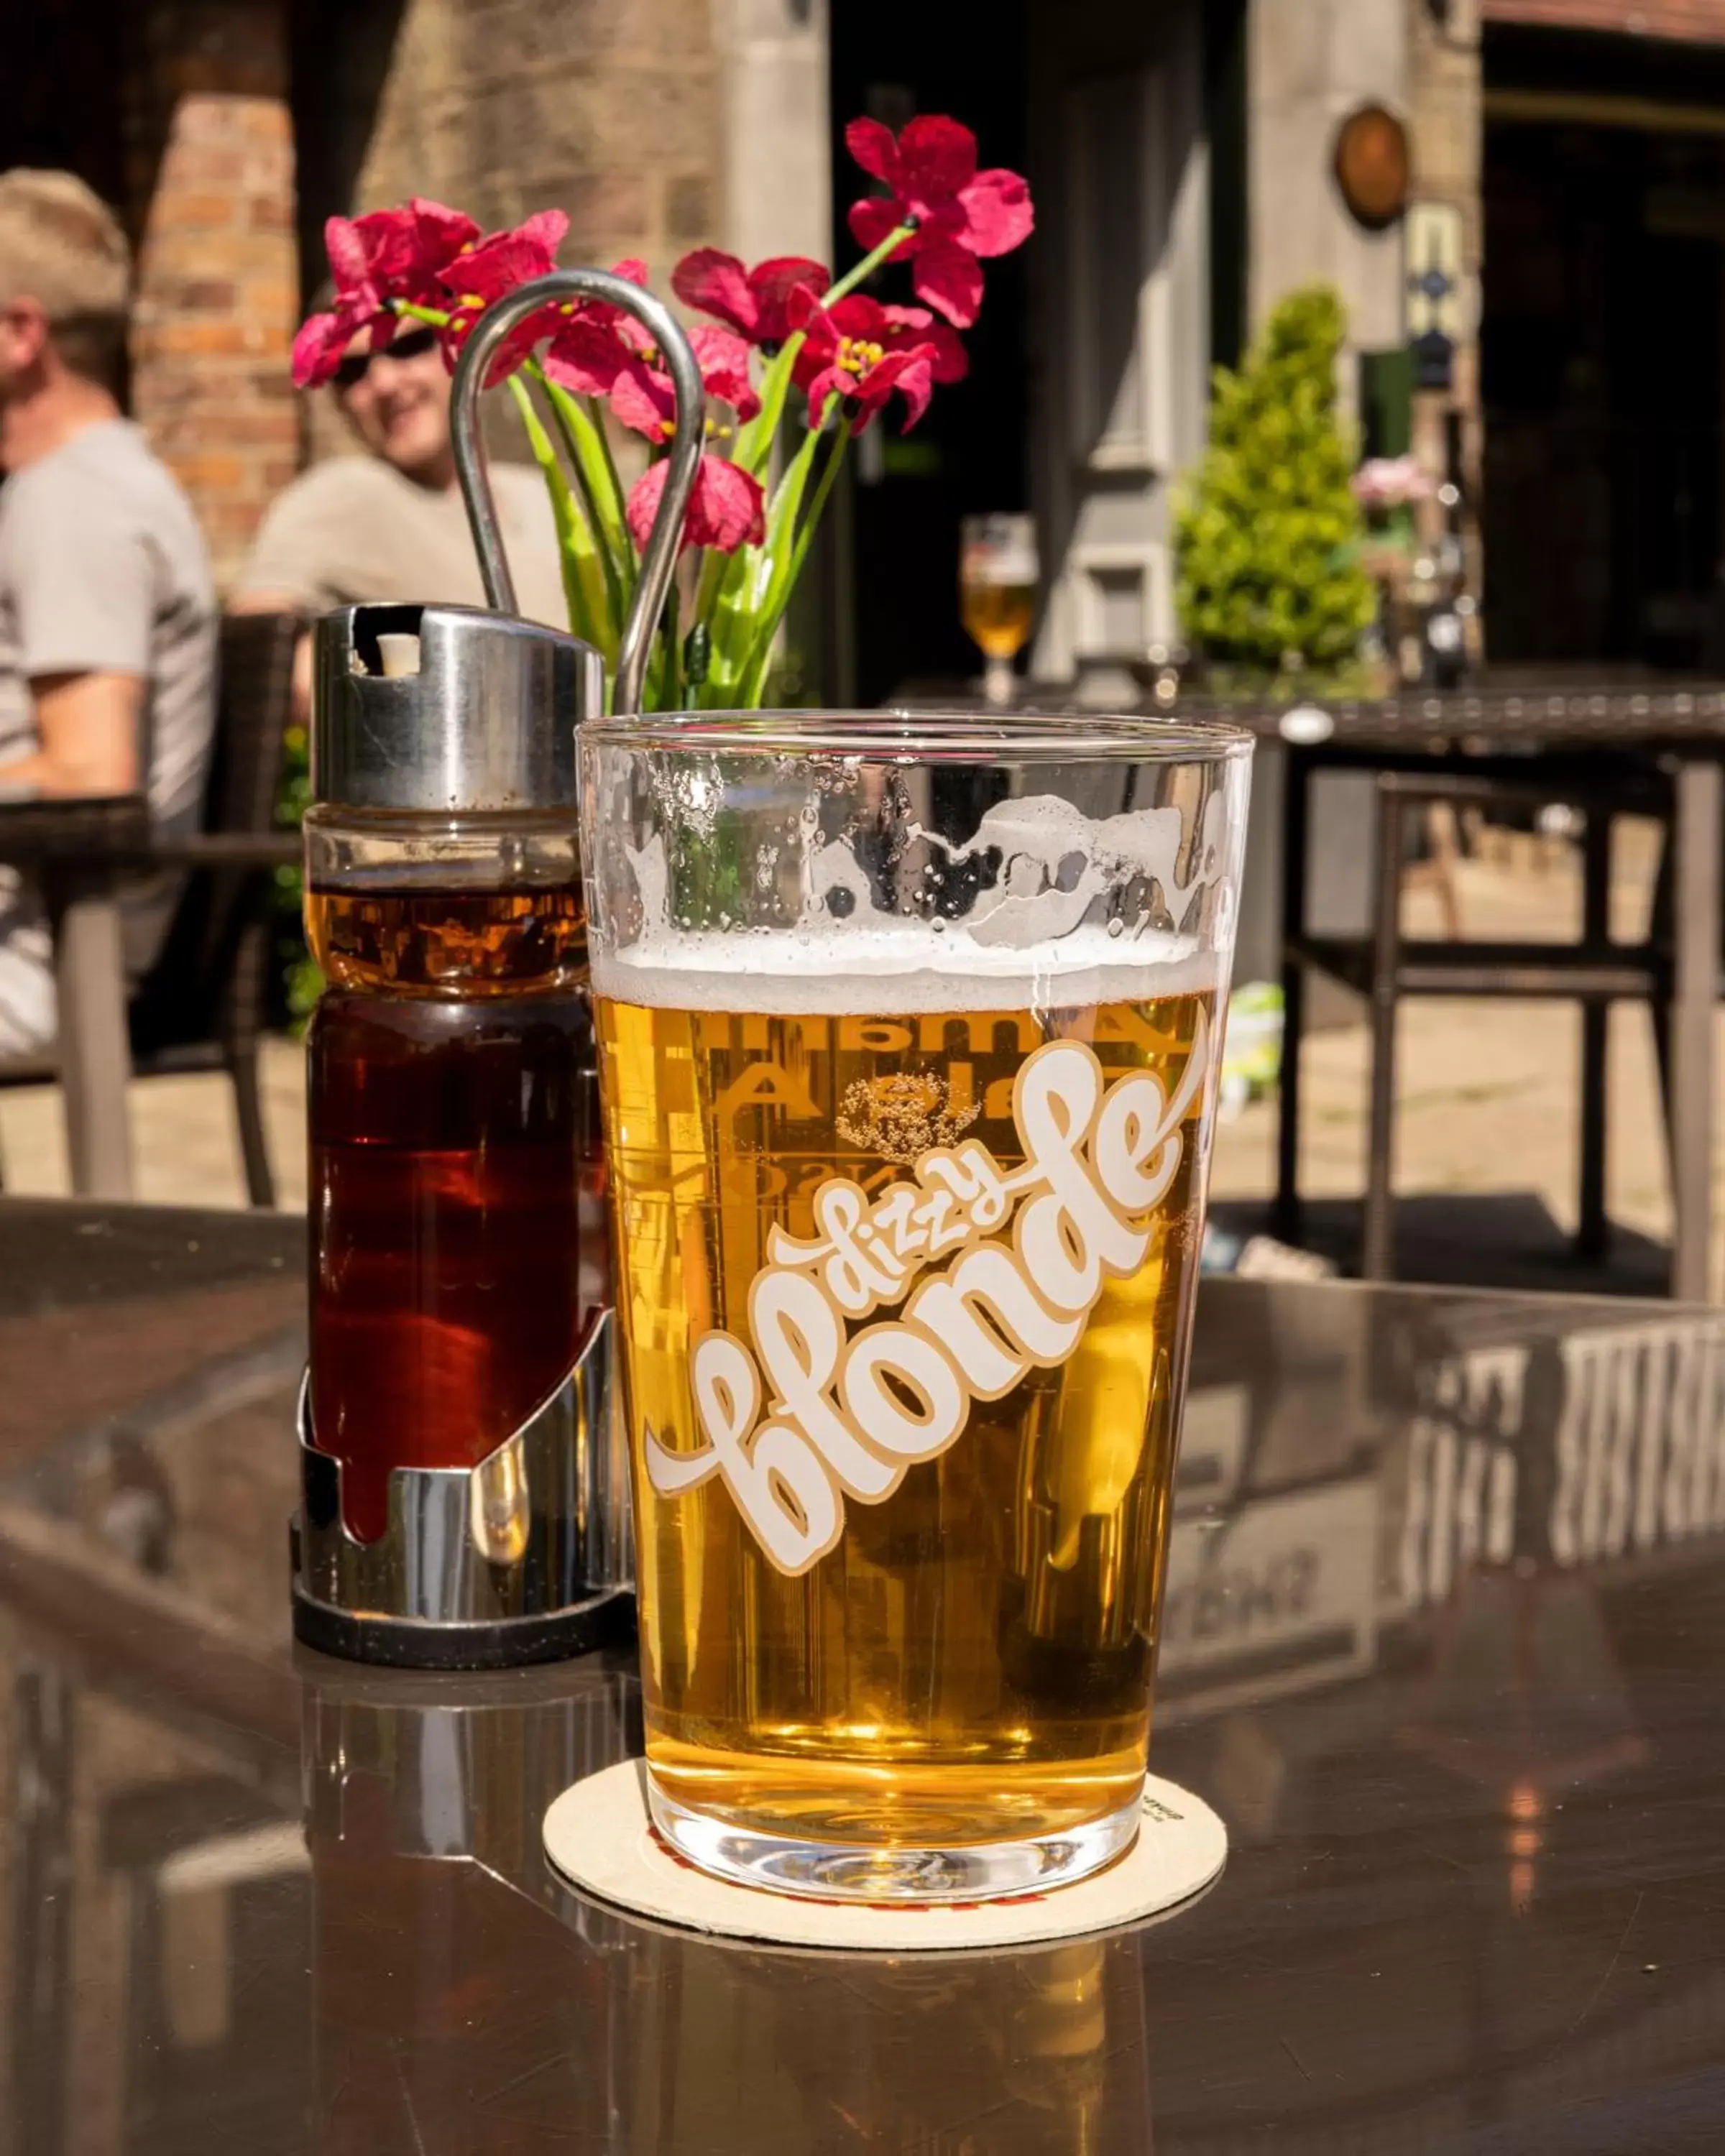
(389, 524)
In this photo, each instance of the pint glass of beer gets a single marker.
(910, 1030)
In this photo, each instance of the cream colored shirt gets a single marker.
(355, 530)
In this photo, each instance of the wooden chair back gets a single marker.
(209, 982)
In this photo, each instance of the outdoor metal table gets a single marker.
(1511, 726)
(1516, 731)
(1444, 1623)
(79, 850)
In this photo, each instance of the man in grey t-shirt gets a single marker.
(108, 615)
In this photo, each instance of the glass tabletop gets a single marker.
(1444, 1616)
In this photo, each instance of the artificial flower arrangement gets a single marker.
(784, 324)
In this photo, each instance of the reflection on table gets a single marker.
(1445, 1618)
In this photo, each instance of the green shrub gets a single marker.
(1267, 535)
(299, 982)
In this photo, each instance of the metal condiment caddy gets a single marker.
(465, 1485)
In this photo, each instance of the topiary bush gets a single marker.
(1267, 535)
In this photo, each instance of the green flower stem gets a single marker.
(415, 312)
(670, 693)
(869, 264)
(752, 582)
(754, 442)
(728, 586)
(584, 587)
(618, 496)
(773, 568)
(695, 564)
(817, 508)
(585, 433)
(582, 435)
(697, 657)
(733, 588)
(754, 678)
(717, 589)
(590, 447)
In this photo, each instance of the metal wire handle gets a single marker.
(659, 558)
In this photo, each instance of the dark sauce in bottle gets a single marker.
(457, 1197)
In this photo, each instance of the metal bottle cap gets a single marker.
(447, 708)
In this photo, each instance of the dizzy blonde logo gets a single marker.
(826, 1399)
(901, 1118)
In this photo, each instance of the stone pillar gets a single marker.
(1444, 124)
(778, 152)
(1309, 63)
(217, 287)
(607, 110)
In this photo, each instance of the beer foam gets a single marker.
(1028, 942)
(892, 969)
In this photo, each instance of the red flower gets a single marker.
(585, 356)
(643, 399)
(411, 247)
(755, 302)
(322, 341)
(594, 340)
(862, 353)
(386, 255)
(602, 351)
(500, 264)
(903, 326)
(603, 315)
(959, 213)
(724, 509)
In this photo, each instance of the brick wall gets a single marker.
(1700, 22)
(211, 179)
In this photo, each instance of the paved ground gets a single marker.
(1487, 1090)
(185, 1143)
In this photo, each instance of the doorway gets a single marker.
(1602, 370)
(892, 561)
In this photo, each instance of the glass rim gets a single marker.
(890, 735)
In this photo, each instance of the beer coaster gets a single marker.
(597, 1835)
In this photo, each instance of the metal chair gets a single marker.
(1384, 966)
(203, 1003)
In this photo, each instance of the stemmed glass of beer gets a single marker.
(996, 594)
(910, 1033)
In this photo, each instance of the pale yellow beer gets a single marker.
(996, 594)
(971, 1658)
(910, 1028)
(997, 618)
